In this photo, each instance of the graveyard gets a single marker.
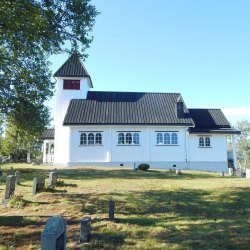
(124, 208)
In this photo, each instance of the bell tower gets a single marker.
(73, 82)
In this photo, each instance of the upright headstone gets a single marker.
(54, 234)
(85, 229)
(38, 185)
(10, 186)
(178, 171)
(1, 171)
(111, 210)
(52, 178)
(239, 172)
(222, 173)
(11, 171)
(230, 171)
(18, 177)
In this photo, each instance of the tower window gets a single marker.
(71, 84)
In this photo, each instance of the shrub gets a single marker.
(144, 166)
(17, 201)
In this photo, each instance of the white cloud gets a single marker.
(237, 114)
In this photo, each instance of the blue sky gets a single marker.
(200, 49)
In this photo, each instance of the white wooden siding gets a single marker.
(62, 133)
(216, 153)
(110, 151)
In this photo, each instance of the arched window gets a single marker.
(91, 139)
(98, 139)
(128, 138)
(83, 139)
(207, 142)
(120, 138)
(166, 138)
(159, 138)
(136, 138)
(174, 139)
(201, 142)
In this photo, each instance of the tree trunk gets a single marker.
(28, 155)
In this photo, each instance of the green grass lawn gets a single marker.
(154, 209)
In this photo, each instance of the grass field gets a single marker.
(154, 209)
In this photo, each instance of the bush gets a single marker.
(144, 166)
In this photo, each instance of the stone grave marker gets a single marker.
(178, 171)
(85, 228)
(222, 173)
(52, 178)
(38, 185)
(230, 171)
(11, 171)
(111, 210)
(1, 171)
(54, 234)
(18, 177)
(10, 186)
(239, 173)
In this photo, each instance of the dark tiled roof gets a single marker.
(126, 108)
(210, 121)
(48, 134)
(73, 67)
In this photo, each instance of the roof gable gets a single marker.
(126, 108)
(73, 67)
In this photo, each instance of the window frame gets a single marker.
(70, 84)
(206, 141)
(128, 138)
(91, 138)
(167, 138)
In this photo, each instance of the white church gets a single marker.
(124, 129)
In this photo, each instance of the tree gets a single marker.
(30, 31)
(243, 142)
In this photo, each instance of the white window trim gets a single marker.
(204, 140)
(87, 138)
(124, 136)
(170, 134)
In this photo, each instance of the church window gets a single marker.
(71, 84)
(166, 138)
(90, 138)
(204, 142)
(129, 138)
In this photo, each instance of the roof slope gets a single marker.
(48, 134)
(73, 67)
(126, 108)
(210, 121)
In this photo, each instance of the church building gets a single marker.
(124, 129)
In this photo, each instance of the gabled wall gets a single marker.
(62, 133)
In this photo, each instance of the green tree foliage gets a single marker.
(31, 31)
(243, 142)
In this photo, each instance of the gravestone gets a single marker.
(38, 185)
(230, 171)
(1, 172)
(222, 173)
(247, 173)
(178, 172)
(18, 177)
(11, 171)
(54, 234)
(52, 178)
(10, 186)
(111, 210)
(239, 173)
(85, 229)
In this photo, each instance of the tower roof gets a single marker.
(73, 67)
